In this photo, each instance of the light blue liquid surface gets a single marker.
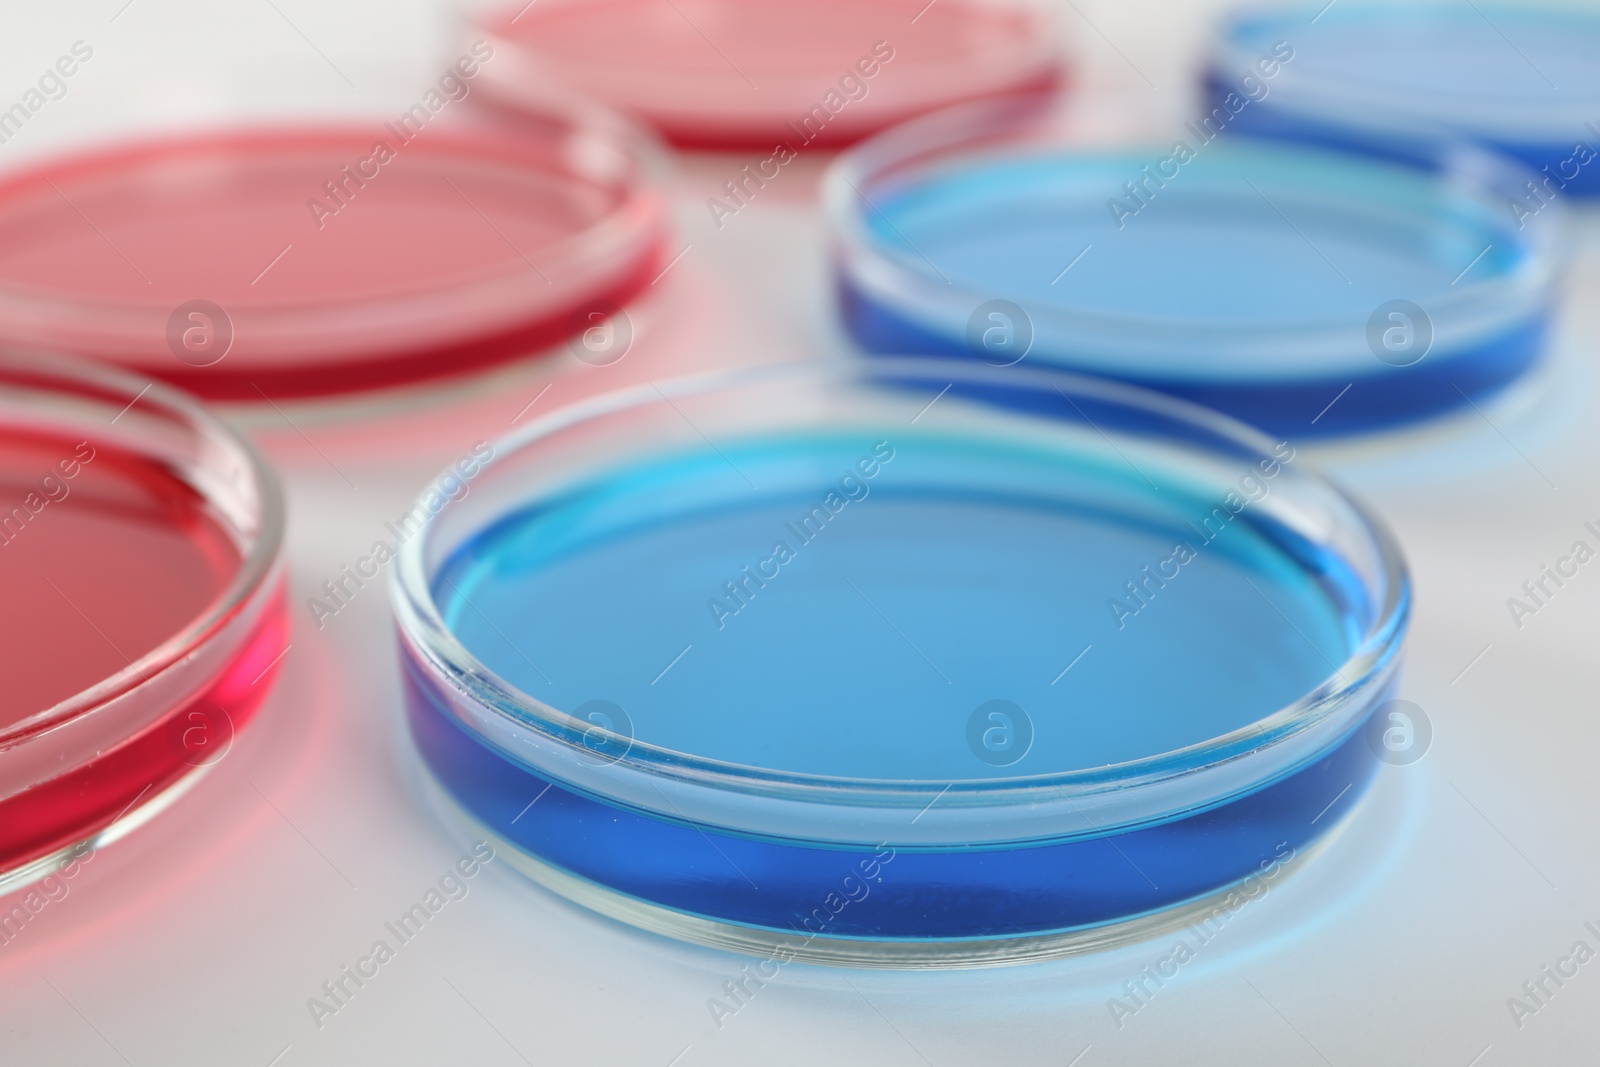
(1522, 79)
(1178, 269)
(960, 575)
(1234, 237)
(1514, 54)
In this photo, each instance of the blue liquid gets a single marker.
(1208, 254)
(1439, 63)
(959, 575)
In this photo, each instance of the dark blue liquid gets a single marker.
(956, 576)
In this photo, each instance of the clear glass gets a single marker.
(92, 766)
(992, 861)
(781, 76)
(1372, 76)
(333, 256)
(1257, 276)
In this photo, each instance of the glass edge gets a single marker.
(260, 564)
(422, 628)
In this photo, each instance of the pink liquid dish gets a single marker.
(140, 566)
(257, 263)
(737, 74)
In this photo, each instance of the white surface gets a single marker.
(200, 939)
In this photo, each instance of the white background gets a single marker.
(199, 939)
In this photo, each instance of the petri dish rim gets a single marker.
(1348, 98)
(375, 336)
(1370, 666)
(1030, 58)
(997, 125)
(245, 141)
(261, 552)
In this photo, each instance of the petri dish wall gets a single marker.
(141, 565)
(271, 262)
(897, 664)
(730, 74)
(1524, 80)
(1303, 289)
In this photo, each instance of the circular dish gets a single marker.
(955, 685)
(271, 263)
(1523, 80)
(726, 74)
(141, 562)
(1301, 289)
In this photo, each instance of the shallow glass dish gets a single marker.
(1522, 79)
(254, 264)
(1302, 289)
(731, 74)
(899, 664)
(141, 564)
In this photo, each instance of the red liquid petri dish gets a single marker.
(742, 74)
(141, 568)
(274, 263)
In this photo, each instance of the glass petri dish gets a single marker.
(897, 664)
(1524, 80)
(1305, 290)
(727, 74)
(293, 262)
(141, 563)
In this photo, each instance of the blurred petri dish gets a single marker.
(1305, 290)
(731, 74)
(849, 663)
(293, 262)
(1524, 80)
(141, 563)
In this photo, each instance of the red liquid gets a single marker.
(104, 556)
(741, 73)
(121, 562)
(456, 251)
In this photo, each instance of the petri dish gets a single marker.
(905, 664)
(731, 75)
(1300, 288)
(141, 557)
(251, 263)
(1524, 80)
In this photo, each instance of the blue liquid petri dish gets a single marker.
(909, 665)
(1524, 80)
(1303, 289)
